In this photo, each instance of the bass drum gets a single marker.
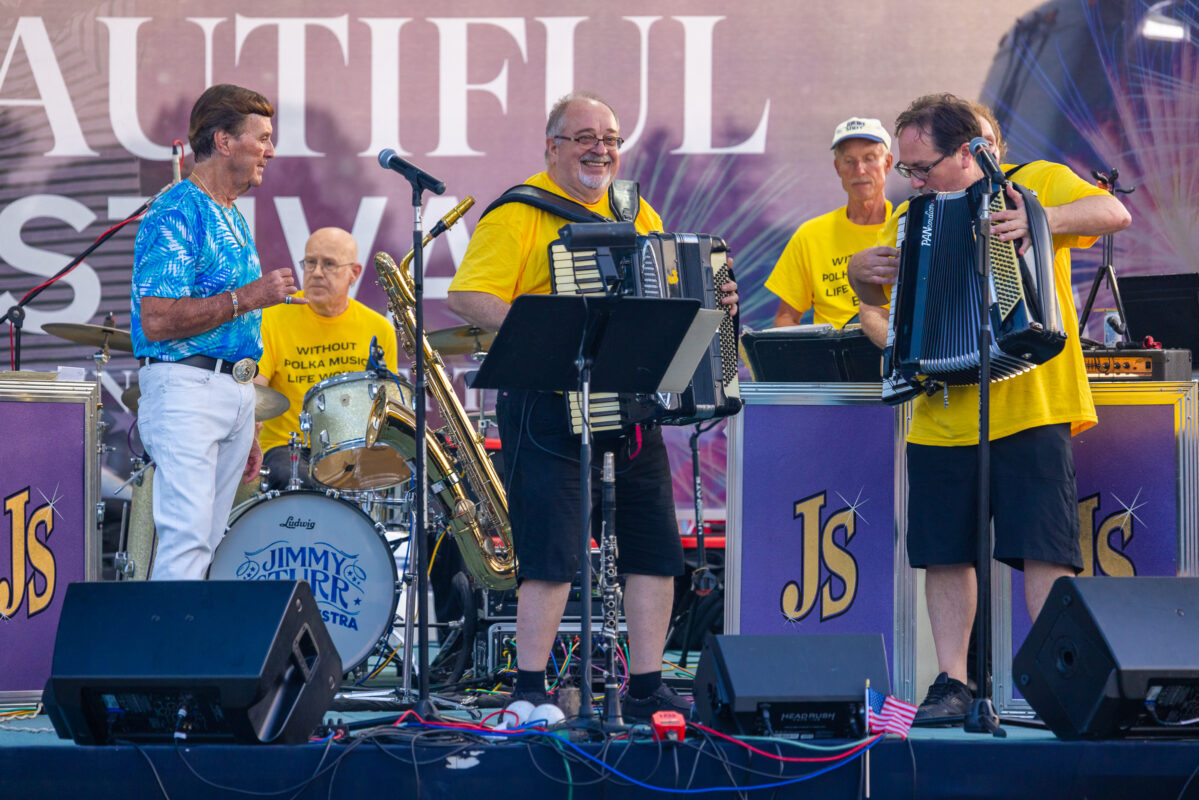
(338, 549)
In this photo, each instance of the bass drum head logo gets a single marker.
(327, 542)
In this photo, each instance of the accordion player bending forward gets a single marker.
(508, 257)
(1033, 415)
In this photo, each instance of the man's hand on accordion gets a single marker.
(1012, 224)
(871, 269)
(730, 298)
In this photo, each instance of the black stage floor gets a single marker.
(424, 763)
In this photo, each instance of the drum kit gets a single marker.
(345, 541)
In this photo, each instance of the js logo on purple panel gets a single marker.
(1105, 540)
(825, 545)
(32, 562)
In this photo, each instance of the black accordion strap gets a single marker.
(1015, 169)
(623, 196)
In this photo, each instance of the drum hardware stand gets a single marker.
(102, 357)
(1107, 180)
(419, 181)
(611, 594)
(703, 582)
(294, 443)
(981, 718)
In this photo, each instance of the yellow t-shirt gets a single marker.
(811, 271)
(1054, 392)
(300, 348)
(507, 255)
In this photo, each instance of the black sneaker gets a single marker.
(947, 702)
(664, 698)
(532, 696)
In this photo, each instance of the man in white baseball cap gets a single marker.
(811, 271)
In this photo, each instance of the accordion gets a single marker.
(932, 336)
(606, 258)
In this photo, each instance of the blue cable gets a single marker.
(608, 768)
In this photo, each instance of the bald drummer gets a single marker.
(303, 345)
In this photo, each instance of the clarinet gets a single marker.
(610, 592)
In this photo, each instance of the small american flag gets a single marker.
(887, 714)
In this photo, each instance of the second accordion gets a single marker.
(932, 336)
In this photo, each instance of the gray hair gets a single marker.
(555, 123)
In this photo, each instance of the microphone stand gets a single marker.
(981, 718)
(424, 707)
(15, 316)
(1110, 181)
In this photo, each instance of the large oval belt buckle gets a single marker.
(245, 370)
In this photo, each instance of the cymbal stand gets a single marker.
(102, 357)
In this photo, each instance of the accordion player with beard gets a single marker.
(932, 335)
(601, 258)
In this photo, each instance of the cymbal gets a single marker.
(460, 340)
(130, 396)
(97, 335)
(268, 403)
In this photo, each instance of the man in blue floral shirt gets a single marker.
(197, 292)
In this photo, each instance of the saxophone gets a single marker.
(475, 522)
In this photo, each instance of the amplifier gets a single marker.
(1137, 365)
(496, 649)
(500, 605)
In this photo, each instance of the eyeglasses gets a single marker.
(309, 264)
(918, 172)
(588, 140)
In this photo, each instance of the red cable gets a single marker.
(865, 743)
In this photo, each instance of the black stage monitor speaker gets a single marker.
(811, 686)
(1110, 654)
(246, 661)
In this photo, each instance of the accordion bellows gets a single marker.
(932, 338)
(655, 265)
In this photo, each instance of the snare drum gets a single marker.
(338, 549)
(335, 416)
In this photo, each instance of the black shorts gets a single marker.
(541, 471)
(1034, 501)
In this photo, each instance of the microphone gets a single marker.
(390, 159)
(176, 162)
(981, 149)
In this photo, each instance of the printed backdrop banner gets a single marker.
(727, 111)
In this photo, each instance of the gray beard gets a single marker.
(600, 182)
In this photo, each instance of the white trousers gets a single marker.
(198, 426)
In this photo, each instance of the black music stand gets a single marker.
(600, 343)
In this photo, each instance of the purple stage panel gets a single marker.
(49, 538)
(814, 524)
(1136, 504)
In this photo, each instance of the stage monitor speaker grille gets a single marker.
(202, 661)
(812, 685)
(1107, 655)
